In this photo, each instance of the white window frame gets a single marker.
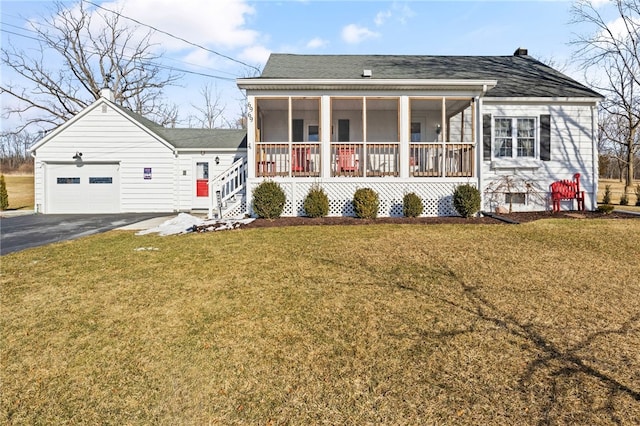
(514, 138)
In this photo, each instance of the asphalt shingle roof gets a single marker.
(188, 138)
(517, 76)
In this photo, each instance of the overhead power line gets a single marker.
(199, 46)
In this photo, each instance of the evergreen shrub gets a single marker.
(412, 205)
(316, 204)
(4, 195)
(466, 200)
(365, 203)
(268, 200)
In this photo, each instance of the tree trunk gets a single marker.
(629, 181)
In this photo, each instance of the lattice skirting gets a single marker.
(436, 196)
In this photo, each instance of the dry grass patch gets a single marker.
(20, 190)
(617, 189)
(393, 324)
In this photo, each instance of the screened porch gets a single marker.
(365, 137)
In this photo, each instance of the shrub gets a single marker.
(268, 200)
(624, 199)
(466, 200)
(638, 194)
(607, 195)
(316, 204)
(412, 205)
(4, 196)
(605, 208)
(365, 203)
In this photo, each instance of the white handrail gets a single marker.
(226, 185)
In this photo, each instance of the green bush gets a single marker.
(365, 203)
(638, 195)
(4, 196)
(412, 205)
(605, 208)
(268, 200)
(466, 200)
(316, 204)
(624, 199)
(606, 199)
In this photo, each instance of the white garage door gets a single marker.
(83, 188)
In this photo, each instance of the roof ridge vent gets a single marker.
(520, 51)
(367, 73)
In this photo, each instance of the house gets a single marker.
(509, 125)
(107, 159)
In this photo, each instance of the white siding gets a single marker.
(102, 134)
(187, 175)
(571, 152)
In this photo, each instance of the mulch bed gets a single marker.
(520, 217)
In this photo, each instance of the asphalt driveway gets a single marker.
(22, 232)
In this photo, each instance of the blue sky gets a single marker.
(249, 30)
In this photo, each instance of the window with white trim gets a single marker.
(514, 137)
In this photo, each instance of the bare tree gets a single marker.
(613, 51)
(14, 150)
(84, 51)
(211, 111)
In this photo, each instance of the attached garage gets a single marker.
(83, 187)
(107, 159)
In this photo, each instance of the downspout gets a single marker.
(595, 158)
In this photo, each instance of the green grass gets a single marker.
(20, 190)
(388, 324)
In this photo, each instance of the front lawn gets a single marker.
(385, 324)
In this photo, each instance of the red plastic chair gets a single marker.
(300, 159)
(347, 161)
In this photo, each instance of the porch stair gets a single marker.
(228, 192)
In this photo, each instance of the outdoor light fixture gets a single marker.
(438, 129)
(78, 156)
(217, 160)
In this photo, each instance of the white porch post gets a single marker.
(252, 121)
(325, 135)
(479, 138)
(405, 122)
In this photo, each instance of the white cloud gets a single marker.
(599, 3)
(381, 17)
(354, 34)
(220, 24)
(400, 12)
(255, 54)
(316, 43)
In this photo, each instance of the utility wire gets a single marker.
(29, 30)
(173, 36)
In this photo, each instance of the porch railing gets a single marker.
(437, 159)
(288, 159)
(365, 159)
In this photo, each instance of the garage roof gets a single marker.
(192, 139)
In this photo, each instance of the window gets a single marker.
(202, 171)
(416, 133)
(106, 180)
(515, 198)
(67, 180)
(518, 133)
(313, 134)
